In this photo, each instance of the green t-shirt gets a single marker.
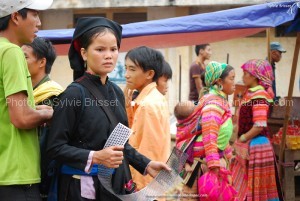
(19, 148)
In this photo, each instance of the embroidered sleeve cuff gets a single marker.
(88, 166)
(145, 171)
(260, 124)
(213, 160)
(213, 164)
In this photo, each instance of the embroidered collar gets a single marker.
(218, 93)
(257, 92)
(256, 88)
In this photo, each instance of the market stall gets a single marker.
(218, 26)
(289, 151)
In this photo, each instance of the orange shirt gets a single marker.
(151, 129)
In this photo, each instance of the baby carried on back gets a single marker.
(189, 139)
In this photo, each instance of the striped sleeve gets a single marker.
(260, 113)
(211, 122)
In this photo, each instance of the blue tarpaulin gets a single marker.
(192, 29)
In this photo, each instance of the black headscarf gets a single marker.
(83, 25)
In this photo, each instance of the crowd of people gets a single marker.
(38, 135)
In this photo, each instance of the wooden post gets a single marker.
(268, 44)
(288, 106)
(180, 78)
(227, 58)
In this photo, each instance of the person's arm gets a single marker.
(135, 159)
(211, 122)
(198, 82)
(253, 132)
(110, 157)
(63, 137)
(235, 121)
(17, 86)
(196, 75)
(22, 116)
(142, 164)
(62, 131)
(155, 166)
(260, 114)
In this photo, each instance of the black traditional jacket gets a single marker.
(77, 130)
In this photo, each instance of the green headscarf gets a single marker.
(213, 72)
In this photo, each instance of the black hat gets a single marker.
(83, 25)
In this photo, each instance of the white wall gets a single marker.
(57, 19)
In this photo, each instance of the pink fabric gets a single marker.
(242, 152)
(88, 166)
(87, 188)
(261, 69)
(214, 187)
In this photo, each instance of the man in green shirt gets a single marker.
(19, 146)
(40, 56)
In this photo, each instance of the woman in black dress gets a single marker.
(81, 126)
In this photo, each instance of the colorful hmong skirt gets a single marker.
(256, 180)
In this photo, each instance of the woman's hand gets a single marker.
(110, 157)
(188, 167)
(242, 138)
(154, 167)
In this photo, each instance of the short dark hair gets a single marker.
(200, 47)
(147, 59)
(43, 48)
(184, 109)
(5, 20)
(166, 70)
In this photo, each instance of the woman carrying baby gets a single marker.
(211, 123)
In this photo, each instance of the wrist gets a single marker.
(215, 170)
(243, 138)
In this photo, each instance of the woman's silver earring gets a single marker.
(220, 87)
(85, 65)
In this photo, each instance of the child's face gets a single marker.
(162, 85)
(136, 78)
(248, 79)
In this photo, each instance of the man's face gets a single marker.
(206, 52)
(34, 64)
(275, 55)
(29, 26)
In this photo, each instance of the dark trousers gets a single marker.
(20, 193)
